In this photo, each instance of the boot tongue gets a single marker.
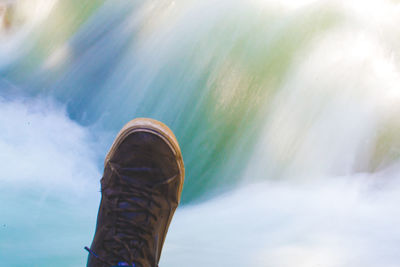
(132, 215)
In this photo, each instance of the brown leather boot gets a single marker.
(141, 188)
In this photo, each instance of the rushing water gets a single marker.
(286, 113)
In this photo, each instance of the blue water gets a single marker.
(285, 113)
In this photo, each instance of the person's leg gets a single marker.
(141, 188)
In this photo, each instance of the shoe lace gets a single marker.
(127, 238)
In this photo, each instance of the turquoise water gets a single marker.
(285, 113)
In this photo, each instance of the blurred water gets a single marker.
(300, 99)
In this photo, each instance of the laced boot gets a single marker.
(141, 188)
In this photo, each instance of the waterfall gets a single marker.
(286, 114)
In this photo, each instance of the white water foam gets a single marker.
(342, 222)
(48, 185)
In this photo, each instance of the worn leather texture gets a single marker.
(140, 192)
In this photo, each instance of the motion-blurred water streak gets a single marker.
(297, 98)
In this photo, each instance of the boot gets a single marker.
(140, 190)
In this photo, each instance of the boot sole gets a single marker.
(155, 127)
